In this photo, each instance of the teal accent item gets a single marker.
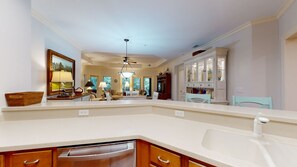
(198, 98)
(264, 102)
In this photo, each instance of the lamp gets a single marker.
(102, 85)
(89, 85)
(124, 71)
(61, 77)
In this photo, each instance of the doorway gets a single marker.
(290, 68)
(147, 85)
(180, 83)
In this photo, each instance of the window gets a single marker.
(147, 85)
(136, 83)
(125, 84)
(107, 80)
(93, 79)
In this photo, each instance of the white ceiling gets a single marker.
(162, 28)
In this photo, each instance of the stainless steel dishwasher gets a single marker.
(119, 154)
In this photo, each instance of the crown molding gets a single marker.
(54, 28)
(282, 10)
(226, 35)
(263, 20)
(235, 30)
(279, 13)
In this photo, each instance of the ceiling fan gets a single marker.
(126, 59)
(124, 71)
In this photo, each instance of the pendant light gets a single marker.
(125, 72)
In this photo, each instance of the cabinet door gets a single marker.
(201, 71)
(1, 160)
(209, 69)
(142, 153)
(194, 73)
(221, 69)
(31, 159)
(194, 164)
(188, 73)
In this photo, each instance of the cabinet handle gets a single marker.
(26, 162)
(163, 161)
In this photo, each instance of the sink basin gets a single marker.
(264, 152)
(237, 146)
(282, 154)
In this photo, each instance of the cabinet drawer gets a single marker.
(32, 159)
(164, 157)
(194, 164)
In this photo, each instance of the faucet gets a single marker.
(259, 121)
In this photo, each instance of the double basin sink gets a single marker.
(264, 151)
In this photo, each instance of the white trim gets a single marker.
(263, 20)
(54, 28)
(236, 30)
(282, 10)
(226, 35)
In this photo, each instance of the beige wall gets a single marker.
(43, 38)
(100, 72)
(253, 62)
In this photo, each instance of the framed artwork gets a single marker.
(57, 62)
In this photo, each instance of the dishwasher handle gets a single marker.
(65, 155)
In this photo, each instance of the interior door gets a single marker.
(181, 83)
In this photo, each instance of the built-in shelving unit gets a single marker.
(206, 74)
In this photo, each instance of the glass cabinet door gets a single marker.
(194, 72)
(188, 72)
(201, 71)
(209, 69)
(221, 69)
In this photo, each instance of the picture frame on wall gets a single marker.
(57, 62)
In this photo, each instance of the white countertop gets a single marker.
(275, 115)
(180, 135)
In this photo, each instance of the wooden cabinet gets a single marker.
(194, 164)
(164, 86)
(207, 74)
(1, 160)
(142, 154)
(149, 155)
(164, 158)
(40, 158)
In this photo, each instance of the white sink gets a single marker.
(234, 145)
(264, 152)
(282, 154)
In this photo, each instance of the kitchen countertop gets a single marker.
(275, 115)
(180, 135)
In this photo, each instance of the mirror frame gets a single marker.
(50, 69)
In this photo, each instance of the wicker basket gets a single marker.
(23, 98)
